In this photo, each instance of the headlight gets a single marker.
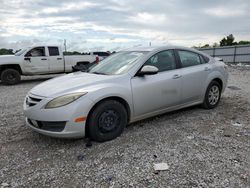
(64, 100)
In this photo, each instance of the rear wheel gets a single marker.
(213, 94)
(10, 76)
(107, 121)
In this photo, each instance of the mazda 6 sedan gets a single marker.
(127, 86)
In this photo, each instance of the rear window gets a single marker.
(54, 51)
(101, 53)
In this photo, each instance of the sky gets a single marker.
(117, 24)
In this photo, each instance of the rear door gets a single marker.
(56, 62)
(36, 61)
(160, 91)
(194, 73)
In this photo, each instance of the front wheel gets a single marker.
(10, 77)
(213, 94)
(107, 121)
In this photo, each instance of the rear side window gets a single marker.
(54, 51)
(189, 59)
(164, 60)
(206, 59)
(202, 59)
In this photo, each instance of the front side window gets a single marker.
(118, 63)
(189, 58)
(36, 52)
(54, 51)
(164, 60)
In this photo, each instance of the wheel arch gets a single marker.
(219, 81)
(11, 66)
(215, 76)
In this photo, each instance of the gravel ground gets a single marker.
(203, 148)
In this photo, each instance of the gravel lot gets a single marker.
(203, 148)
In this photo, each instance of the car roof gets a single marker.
(160, 48)
(156, 48)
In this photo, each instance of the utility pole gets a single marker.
(65, 45)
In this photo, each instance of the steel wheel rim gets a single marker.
(213, 95)
(11, 77)
(108, 121)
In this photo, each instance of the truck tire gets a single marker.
(10, 76)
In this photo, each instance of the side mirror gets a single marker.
(27, 58)
(148, 70)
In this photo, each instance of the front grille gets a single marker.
(32, 101)
(53, 126)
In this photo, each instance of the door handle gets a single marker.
(59, 58)
(43, 59)
(207, 69)
(176, 76)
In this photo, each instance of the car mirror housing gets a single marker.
(148, 70)
(27, 58)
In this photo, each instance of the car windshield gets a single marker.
(20, 52)
(118, 63)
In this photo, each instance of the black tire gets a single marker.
(209, 101)
(10, 77)
(107, 121)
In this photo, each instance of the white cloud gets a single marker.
(225, 12)
(149, 19)
(68, 7)
(112, 40)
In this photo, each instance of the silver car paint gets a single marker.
(146, 96)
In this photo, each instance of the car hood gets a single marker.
(8, 59)
(74, 82)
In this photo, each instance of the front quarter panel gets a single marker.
(121, 90)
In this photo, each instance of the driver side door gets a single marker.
(36, 61)
(153, 93)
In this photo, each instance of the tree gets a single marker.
(216, 44)
(4, 51)
(71, 53)
(228, 41)
(243, 42)
(205, 46)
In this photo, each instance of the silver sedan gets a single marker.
(128, 86)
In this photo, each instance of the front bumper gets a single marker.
(56, 122)
(77, 131)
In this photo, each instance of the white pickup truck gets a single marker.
(38, 60)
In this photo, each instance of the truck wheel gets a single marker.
(10, 77)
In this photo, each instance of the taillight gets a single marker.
(97, 60)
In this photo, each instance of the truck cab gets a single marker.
(39, 60)
(42, 60)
